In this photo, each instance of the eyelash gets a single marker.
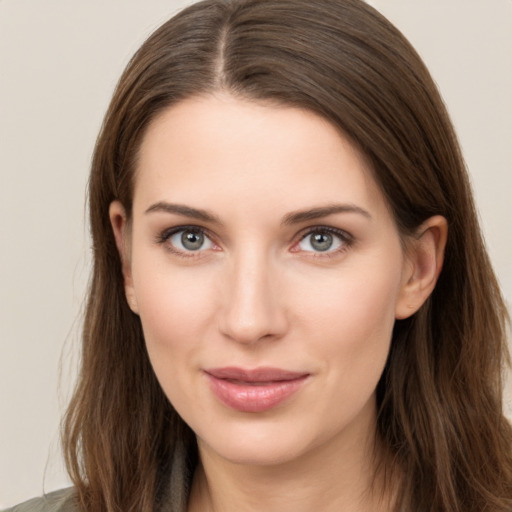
(164, 237)
(346, 239)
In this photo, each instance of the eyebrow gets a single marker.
(186, 211)
(289, 219)
(323, 211)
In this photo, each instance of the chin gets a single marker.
(247, 454)
(259, 444)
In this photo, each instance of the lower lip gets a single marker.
(247, 397)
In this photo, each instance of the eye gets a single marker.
(187, 240)
(323, 240)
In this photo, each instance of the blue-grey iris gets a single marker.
(192, 241)
(321, 241)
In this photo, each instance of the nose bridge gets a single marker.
(251, 309)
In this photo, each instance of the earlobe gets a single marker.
(120, 228)
(424, 261)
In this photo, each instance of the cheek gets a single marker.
(172, 316)
(355, 302)
(352, 324)
(175, 308)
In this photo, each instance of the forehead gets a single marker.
(223, 150)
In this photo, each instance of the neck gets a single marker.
(339, 475)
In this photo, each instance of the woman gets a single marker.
(291, 305)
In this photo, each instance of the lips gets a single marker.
(254, 390)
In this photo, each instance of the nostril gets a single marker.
(249, 323)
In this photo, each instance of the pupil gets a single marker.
(321, 241)
(192, 241)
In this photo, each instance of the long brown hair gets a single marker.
(439, 398)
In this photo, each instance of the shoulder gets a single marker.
(58, 501)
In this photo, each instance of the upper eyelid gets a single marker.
(330, 229)
(166, 233)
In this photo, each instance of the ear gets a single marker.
(119, 222)
(424, 260)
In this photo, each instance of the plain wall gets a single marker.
(59, 62)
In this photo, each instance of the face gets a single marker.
(267, 272)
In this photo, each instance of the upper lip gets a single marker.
(262, 374)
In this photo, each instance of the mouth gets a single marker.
(254, 390)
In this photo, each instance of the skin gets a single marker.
(258, 292)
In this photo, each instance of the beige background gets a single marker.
(59, 61)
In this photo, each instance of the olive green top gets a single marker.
(174, 497)
(58, 501)
(64, 501)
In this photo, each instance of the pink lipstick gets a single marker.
(255, 390)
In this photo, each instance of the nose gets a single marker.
(252, 308)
